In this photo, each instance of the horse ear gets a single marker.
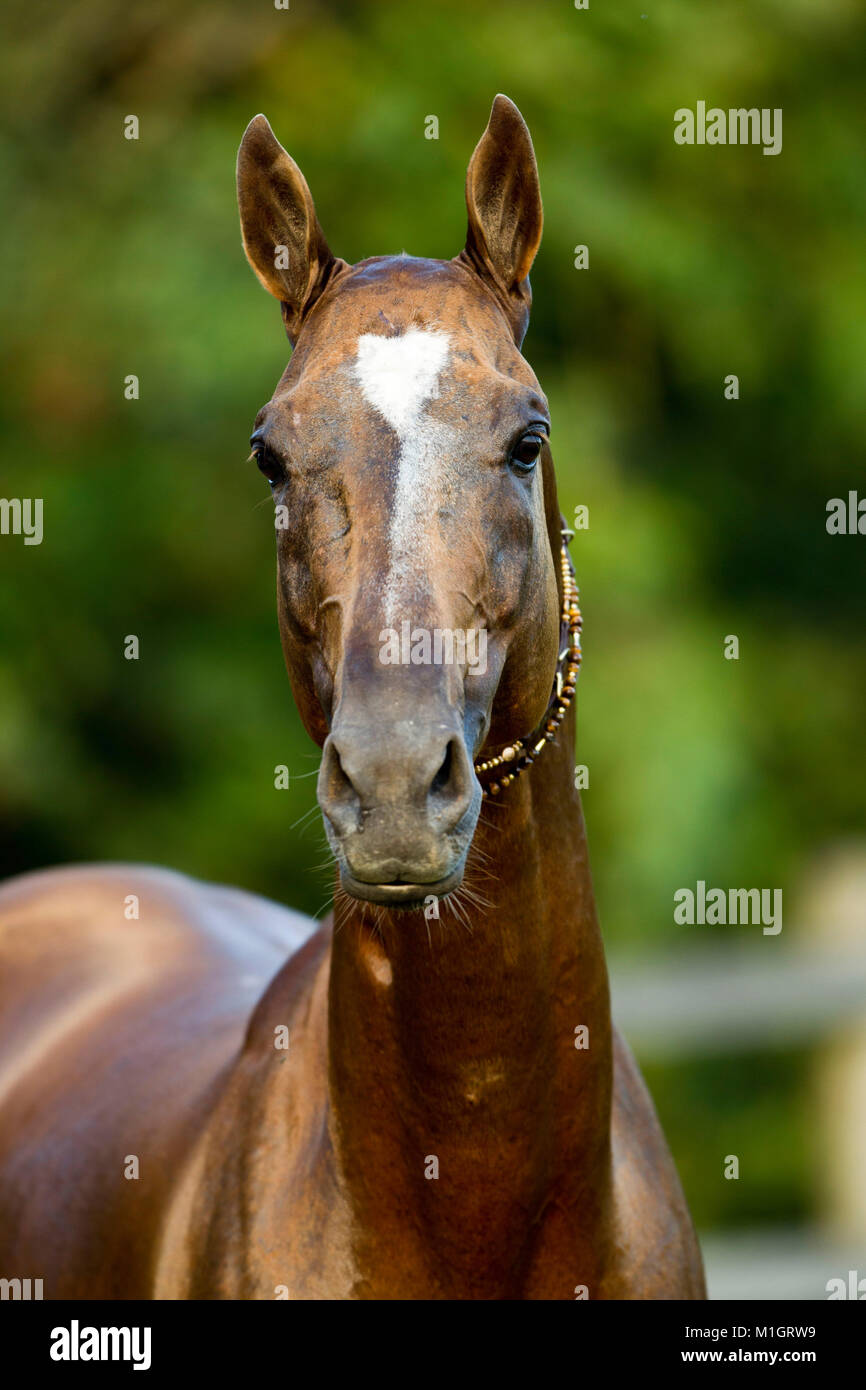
(282, 238)
(503, 200)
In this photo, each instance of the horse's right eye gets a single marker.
(268, 465)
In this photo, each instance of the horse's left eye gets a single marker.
(525, 454)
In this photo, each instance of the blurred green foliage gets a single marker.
(707, 517)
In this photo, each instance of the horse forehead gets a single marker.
(398, 375)
(404, 342)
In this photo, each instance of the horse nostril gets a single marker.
(364, 786)
(443, 776)
(337, 795)
(341, 782)
(450, 792)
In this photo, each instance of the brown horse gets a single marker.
(416, 1105)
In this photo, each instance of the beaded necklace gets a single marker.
(521, 754)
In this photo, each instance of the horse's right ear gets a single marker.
(282, 238)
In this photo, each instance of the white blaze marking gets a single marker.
(398, 377)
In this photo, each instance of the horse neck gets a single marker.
(454, 1039)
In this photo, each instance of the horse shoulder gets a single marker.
(657, 1254)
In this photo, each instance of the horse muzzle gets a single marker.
(400, 803)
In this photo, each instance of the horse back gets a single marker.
(125, 993)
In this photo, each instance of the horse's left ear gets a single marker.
(503, 200)
(282, 238)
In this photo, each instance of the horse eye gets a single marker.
(268, 465)
(526, 452)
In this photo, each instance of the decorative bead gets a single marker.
(571, 619)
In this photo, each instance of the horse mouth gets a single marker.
(399, 894)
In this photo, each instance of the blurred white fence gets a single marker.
(715, 1001)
